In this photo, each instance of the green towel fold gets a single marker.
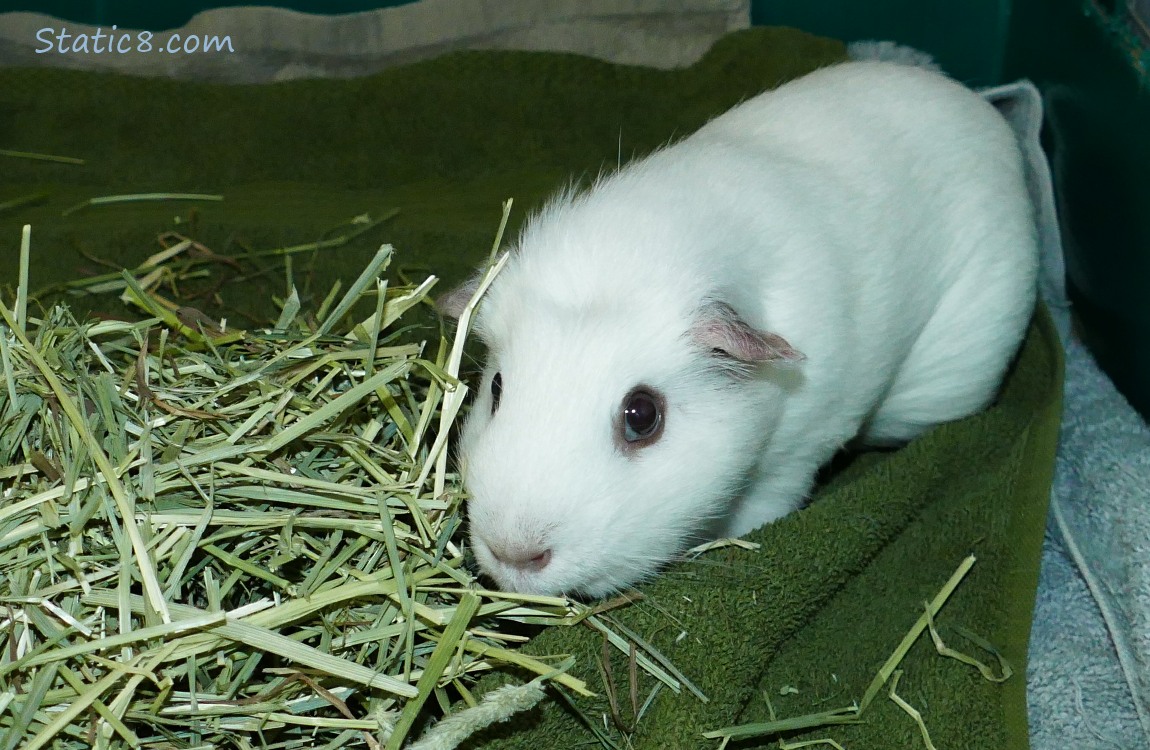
(805, 620)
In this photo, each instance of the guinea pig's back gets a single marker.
(903, 242)
(868, 111)
(908, 180)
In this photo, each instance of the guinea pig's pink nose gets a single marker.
(520, 556)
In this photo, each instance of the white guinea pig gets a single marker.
(674, 352)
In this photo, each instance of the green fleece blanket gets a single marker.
(805, 620)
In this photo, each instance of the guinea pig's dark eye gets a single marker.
(642, 422)
(496, 390)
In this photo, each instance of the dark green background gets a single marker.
(1098, 120)
(445, 141)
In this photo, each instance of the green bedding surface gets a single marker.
(806, 619)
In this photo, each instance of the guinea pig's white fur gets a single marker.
(849, 255)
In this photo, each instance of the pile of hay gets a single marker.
(217, 538)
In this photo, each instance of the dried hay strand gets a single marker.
(212, 537)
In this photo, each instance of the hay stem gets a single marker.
(1006, 671)
(106, 200)
(910, 710)
(40, 157)
(22, 279)
(24, 201)
(367, 277)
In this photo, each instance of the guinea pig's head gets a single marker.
(610, 429)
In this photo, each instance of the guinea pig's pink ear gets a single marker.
(451, 304)
(719, 328)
